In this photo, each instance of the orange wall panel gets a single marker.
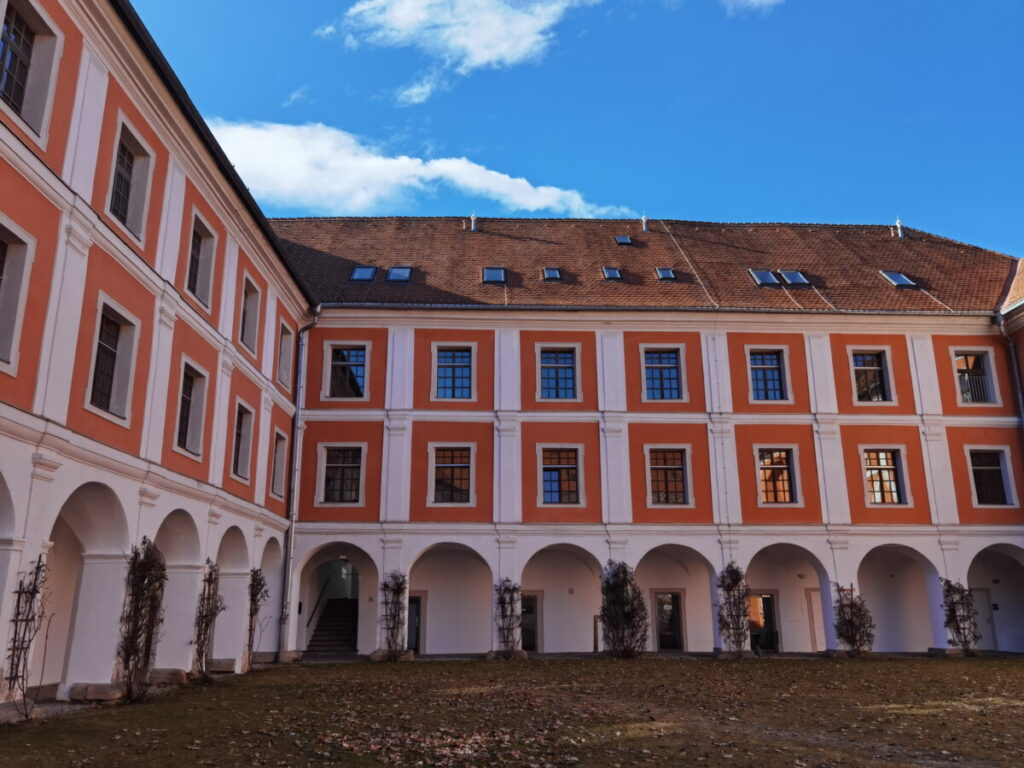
(246, 268)
(699, 480)
(798, 437)
(569, 433)
(945, 346)
(969, 512)
(916, 489)
(901, 384)
(483, 371)
(693, 371)
(279, 420)
(285, 317)
(586, 373)
(452, 433)
(187, 341)
(249, 391)
(316, 432)
(317, 362)
(194, 202)
(796, 383)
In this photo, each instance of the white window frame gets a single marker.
(580, 476)
(901, 472)
(432, 465)
(201, 426)
(990, 374)
(325, 384)
(250, 438)
(142, 181)
(257, 321)
(794, 472)
(285, 366)
(124, 368)
(321, 468)
(1009, 485)
(551, 346)
(207, 259)
(274, 466)
(687, 448)
(684, 390)
(47, 51)
(890, 385)
(21, 253)
(787, 381)
(435, 346)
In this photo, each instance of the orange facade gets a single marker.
(900, 383)
(692, 371)
(189, 346)
(428, 340)
(583, 436)
(319, 361)
(479, 437)
(995, 349)
(905, 439)
(805, 507)
(692, 437)
(586, 369)
(792, 346)
(196, 205)
(1008, 439)
(368, 435)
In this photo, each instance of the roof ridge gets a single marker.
(586, 219)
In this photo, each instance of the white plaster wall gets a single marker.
(458, 602)
(1008, 595)
(270, 614)
(571, 587)
(64, 563)
(675, 569)
(894, 588)
(789, 573)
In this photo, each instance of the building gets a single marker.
(462, 401)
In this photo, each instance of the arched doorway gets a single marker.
(267, 634)
(902, 590)
(678, 584)
(562, 598)
(337, 602)
(177, 541)
(450, 601)
(86, 566)
(229, 629)
(996, 580)
(790, 600)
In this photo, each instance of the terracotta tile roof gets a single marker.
(711, 262)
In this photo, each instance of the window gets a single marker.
(668, 475)
(110, 388)
(191, 409)
(767, 375)
(558, 374)
(884, 476)
(623, 240)
(124, 164)
(898, 279)
(29, 50)
(794, 277)
(494, 275)
(662, 375)
(15, 260)
(869, 375)
(560, 480)
(972, 375)
(198, 278)
(399, 274)
(16, 44)
(452, 473)
(775, 476)
(129, 183)
(362, 274)
(612, 273)
(249, 327)
(764, 277)
(284, 355)
(988, 472)
(454, 373)
(551, 273)
(343, 470)
(243, 442)
(665, 273)
(279, 462)
(348, 372)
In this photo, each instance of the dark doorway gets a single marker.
(669, 614)
(415, 622)
(764, 635)
(528, 610)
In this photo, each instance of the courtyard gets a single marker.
(587, 712)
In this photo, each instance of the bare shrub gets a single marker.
(211, 605)
(624, 618)
(393, 591)
(961, 616)
(259, 593)
(26, 623)
(733, 612)
(141, 617)
(508, 615)
(855, 627)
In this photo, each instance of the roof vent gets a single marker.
(643, 222)
(472, 223)
(899, 229)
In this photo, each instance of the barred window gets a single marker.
(662, 374)
(989, 477)
(767, 375)
(882, 471)
(454, 373)
(870, 376)
(105, 367)
(775, 474)
(452, 467)
(342, 475)
(120, 196)
(972, 374)
(348, 372)
(668, 475)
(558, 374)
(188, 383)
(195, 254)
(16, 42)
(561, 476)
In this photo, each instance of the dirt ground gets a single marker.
(586, 712)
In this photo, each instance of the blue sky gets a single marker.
(854, 111)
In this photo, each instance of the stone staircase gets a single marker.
(335, 635)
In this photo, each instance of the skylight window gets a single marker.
(552, 273)
(898, 279)
(362, 274)
(764, 277)
(623, 240)
(612, 273)
(399, 274)
(665, 273)
(794, 277)
(494, 275)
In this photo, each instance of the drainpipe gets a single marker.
(293, 495)
(1015, 363)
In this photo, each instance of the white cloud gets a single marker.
(351, 42)
(462, 35)
(329, 171)
(326, 31)
(737, 6)
(420, 90)
(298, 95)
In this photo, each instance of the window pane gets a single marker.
(989, 485)
(452, 475)
(185, 408)
(454, 374)
(194, 258)
(121, 193)
(348, 372)
(558, 374)
(668, 475)
(16, 42)
(869, 374)
(972, 377)
(560, 476)
(342, 475)
(882, 475)
(775, 474)
(106, 362)
(766, 376)
(662, 374)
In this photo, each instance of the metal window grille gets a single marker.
(561, 476)
(122, 191)
(106, 362)
(767, 375)
(558, 374)
(16, 42)
(454, 374)
(972, 377)
(883, 476)
(775, 473)
(348, 372)
(987, 469)
(240, 455)
(195, 257)
(869, 374)
(661, 370)
(342, 472)
(668, 475)
(188, 382)
(451, 475)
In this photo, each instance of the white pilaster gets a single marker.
(93, 647)
(923, 374)
(821, 373)
(181, 593)
(717, 384)
(725, 481)
(506, 370)
(270, 334)
(831, 471)
(222, 420)
(226, 322)
(86, 122)
(395, 479)
(611, 371)
(508, 470)
(160, 371)
(171, 218)
(615, 471)
(263, 448)
(938, 472)
(401, 348)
